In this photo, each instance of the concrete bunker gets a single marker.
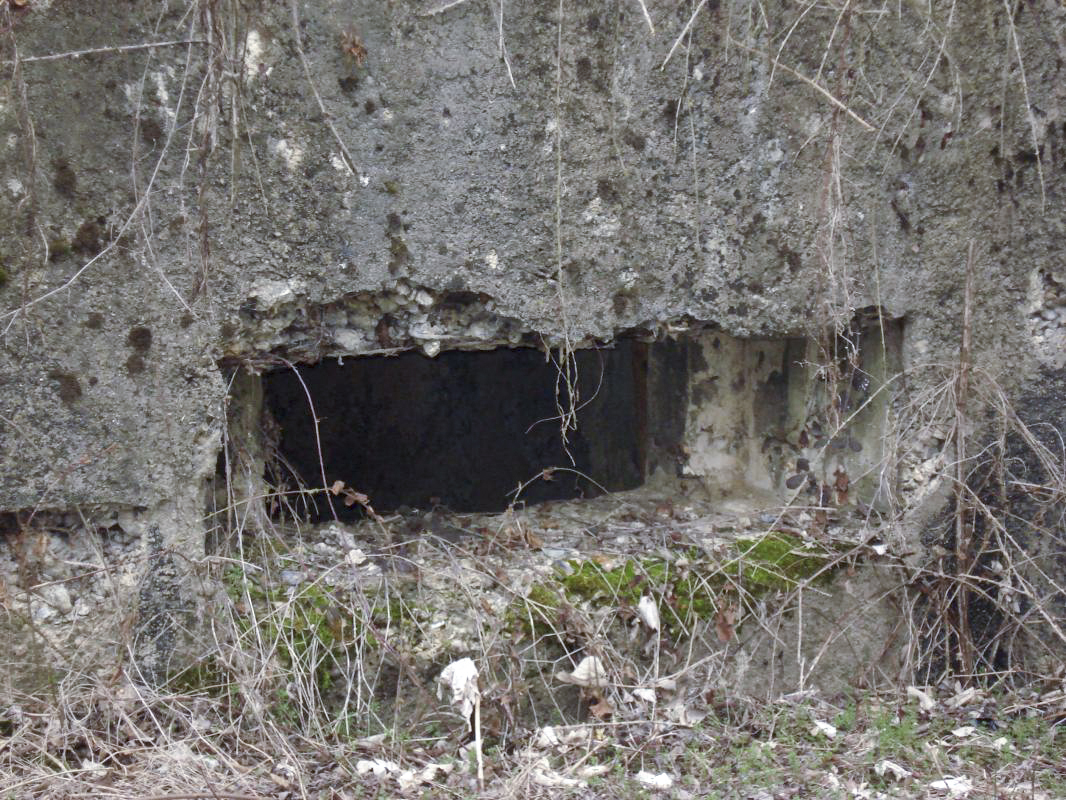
(773, 420)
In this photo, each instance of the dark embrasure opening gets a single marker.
(464, 429)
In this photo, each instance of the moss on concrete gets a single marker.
(780, 561)
(688, 588)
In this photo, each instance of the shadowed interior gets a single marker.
(464, 429)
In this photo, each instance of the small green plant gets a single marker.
(846, 719)
(896, 735)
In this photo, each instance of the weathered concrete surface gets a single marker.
(167, 207)
(471, 167)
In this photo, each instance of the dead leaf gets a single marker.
(337, 487)
(601, 709)
(660, 781)
(590, 672)
(644, 694)
(824, 729)
(821, 520)
(723, 623)
(648, 612)
(841, 484)
(462, 678)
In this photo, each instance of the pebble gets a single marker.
(58, 597)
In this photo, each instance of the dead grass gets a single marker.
(124, 742)
(308, 686)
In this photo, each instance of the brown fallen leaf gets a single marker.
(842, 484)
(351, 497)
(723, 623)
(600, 708)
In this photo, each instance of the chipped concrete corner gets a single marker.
(187, 209)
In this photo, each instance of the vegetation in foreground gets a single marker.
(120, 742)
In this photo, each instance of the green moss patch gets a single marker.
(690, 587)
(780, 561)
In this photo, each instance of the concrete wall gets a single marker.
(194, 186)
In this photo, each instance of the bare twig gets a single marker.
(824, 92)
(1028, 105)
(345, 155)
(681, 35)
(963, 517)
(121, 48)
(442, 8)
(647, 17)
(318, 439)
(503, 50)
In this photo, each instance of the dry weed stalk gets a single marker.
(987, 607)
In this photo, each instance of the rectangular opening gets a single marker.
(765, 421)
(467, 429)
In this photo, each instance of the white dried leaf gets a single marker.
(649, 612)
(653, 781)
(1001, 743)
(594, 770)
(355, 557)
(553, 780)
(647, 695)
(689, 715)
(375, 766)
(428, 774)
(824, 728)
(371, 742)
(589, 672)
(925, 702)
(546, 737)
(898, 772)
(964, 732)
(962, 697)
(96, 769)
(578, 735)
(955, 786)
(461, 676)
(406, 780)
